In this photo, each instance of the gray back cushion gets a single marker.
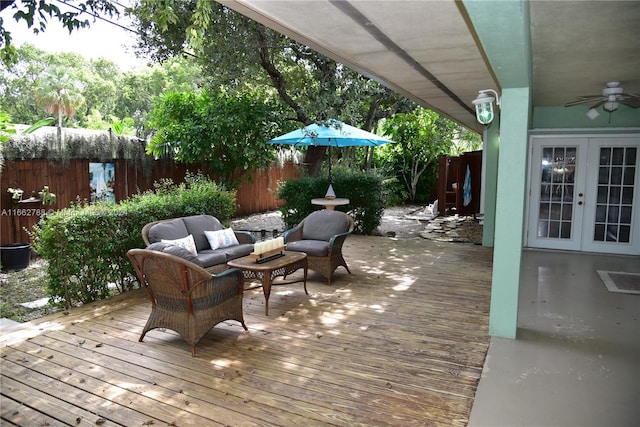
(197, 225)
(324, 224)
(170, 230)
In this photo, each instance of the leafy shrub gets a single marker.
(395, 192)
(364, 191)
(86, 245)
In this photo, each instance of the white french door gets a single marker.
(584, 193)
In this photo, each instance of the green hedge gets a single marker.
(364, 191)
(86, 245)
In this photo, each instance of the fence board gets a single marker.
(70, 181)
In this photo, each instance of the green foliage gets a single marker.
(59, 92)
(6, 127)
(110, 95)
(86, 245)
(363, 189)
(421, 137)
(227, 131)
(395, 192)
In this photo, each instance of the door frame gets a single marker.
(589, 148)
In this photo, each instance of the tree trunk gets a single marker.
(313, 159)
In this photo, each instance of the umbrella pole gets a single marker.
(330, 193)
(330, 177)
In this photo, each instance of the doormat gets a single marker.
(621, 282)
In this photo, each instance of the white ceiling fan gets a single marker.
(612, 96)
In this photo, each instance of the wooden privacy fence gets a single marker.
(69, 180)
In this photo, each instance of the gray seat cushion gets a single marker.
(209, 257)
(324, 224)
(169, 230)
(237, 251)
(310, 247)
(176, 250)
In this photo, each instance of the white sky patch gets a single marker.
(100, 40)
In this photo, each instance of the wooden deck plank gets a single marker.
(265, 367)
(20, 415)
(401, 341)
(52, 406)
(64, 385)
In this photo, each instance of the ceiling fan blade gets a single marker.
(585, 100)
(599, 103)
(631, 102)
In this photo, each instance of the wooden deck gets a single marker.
(401, 341)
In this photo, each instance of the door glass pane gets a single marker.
(617, 157)
(602, 194)
(603, 175)
(616, 175)
(625, 230)
(614, 194)
(614, 199)
(625, 215)
(629, 175)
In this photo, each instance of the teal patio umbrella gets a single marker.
(332, 133)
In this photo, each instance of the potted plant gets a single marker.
(16, 256)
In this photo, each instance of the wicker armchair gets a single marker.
(321, 236)
(185, 297)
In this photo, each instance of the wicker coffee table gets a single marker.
(267, 271)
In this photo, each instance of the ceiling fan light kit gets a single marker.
(593, 114)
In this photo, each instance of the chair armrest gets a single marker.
(293, 234)
(335, 243)
(226, 279)
(245, 237)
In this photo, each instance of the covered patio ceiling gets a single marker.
(429, 51)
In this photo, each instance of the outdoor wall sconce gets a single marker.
(484, 105)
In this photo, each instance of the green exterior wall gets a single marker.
(576, 118)
(491, 149)
(510, 211)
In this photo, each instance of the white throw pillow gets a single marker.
(186, 242)
(221, 238)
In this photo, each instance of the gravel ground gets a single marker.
(402, 222)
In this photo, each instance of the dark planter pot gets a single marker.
(15, 256)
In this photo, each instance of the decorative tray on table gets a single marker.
(268, 250)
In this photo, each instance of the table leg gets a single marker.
(305, 278)
(266, 289)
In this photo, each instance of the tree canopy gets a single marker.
(225, 130)
(239, 53)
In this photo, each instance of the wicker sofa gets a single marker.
(159, 235)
